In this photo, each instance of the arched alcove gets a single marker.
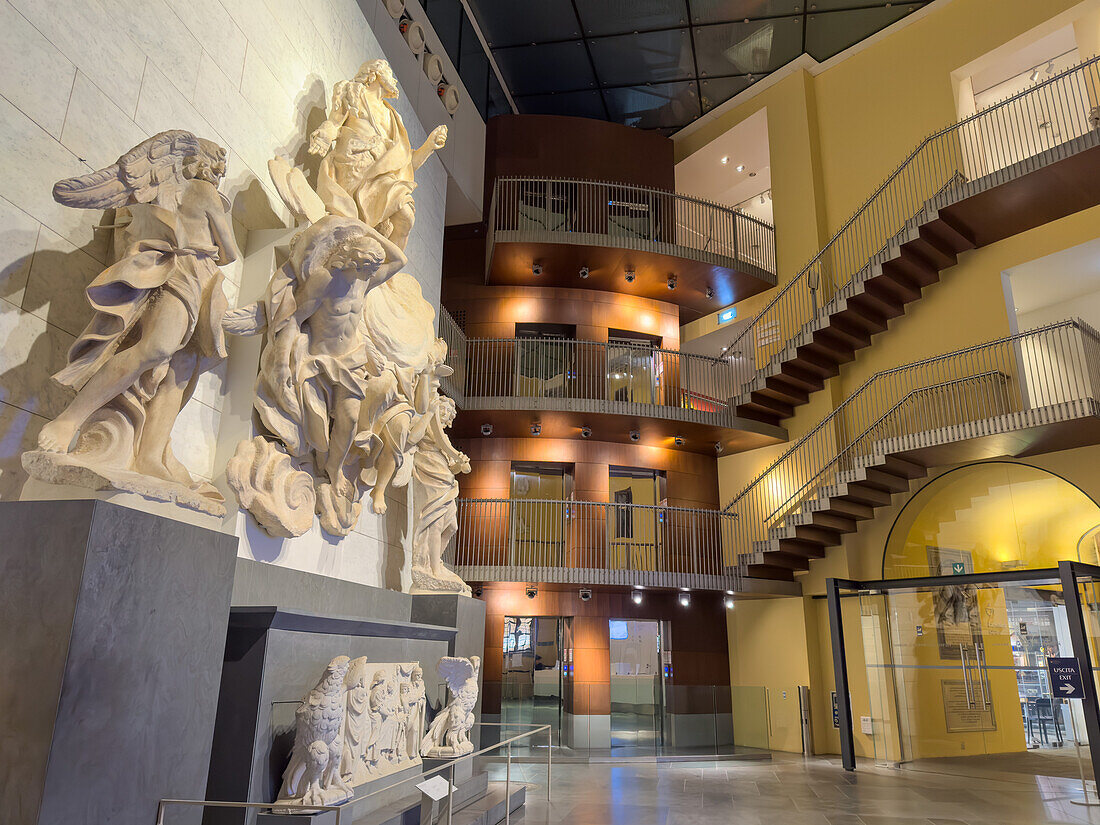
(989, 517)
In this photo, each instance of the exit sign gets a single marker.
(727, 315)
(958, 568)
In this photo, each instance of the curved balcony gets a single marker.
(613, 387)
(717, 254)
(594, 543)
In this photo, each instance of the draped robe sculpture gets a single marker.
(156, 327)
(348, 398)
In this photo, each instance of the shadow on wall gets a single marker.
(55, 296)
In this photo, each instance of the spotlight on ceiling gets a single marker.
(583, 273)
(671, 282)
(1050, 67)
(486, 429)
(740, 167)
(476, 591)
(536, 428)
(1034, 74)
(725, 159)
(630, 276)
(678, 440)
(635, 435)
(728, 601)
(761, 198)
(536, 269)
(585, 594)
(710, 292)
(586, 432)
(531, 591)
(685, 599)
(717, 446)
(636, 597)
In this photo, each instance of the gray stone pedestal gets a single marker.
(112, 631)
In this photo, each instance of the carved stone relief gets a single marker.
(361, 722)
(449, 734)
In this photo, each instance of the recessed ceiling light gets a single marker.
(740, 167)
(725, 159)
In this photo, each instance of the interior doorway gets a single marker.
(637, 725)
(953, 671)
(531, 684)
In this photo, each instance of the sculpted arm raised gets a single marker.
(324, 135)
(436, 141)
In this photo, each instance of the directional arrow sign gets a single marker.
(1065, 677)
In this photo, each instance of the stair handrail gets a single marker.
(864, 390)
(797, 495)
(802, 276)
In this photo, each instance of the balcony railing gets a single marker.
(599, 213)
(587, 376)
(598, 377)
(1045, 375)
(583, 542)
(1045, 123)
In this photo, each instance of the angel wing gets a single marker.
(136, 177)
(295, 191)
(456, 670)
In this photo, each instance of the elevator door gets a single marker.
(636, 695)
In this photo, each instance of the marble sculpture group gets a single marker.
(363, 721)
(348, 403)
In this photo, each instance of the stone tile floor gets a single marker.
(790, 790)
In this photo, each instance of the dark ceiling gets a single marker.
(660, 64)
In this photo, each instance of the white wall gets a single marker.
(84, 81)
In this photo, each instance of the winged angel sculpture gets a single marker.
(157, 322)
(449, 733)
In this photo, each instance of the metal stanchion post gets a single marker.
(508, 787)
(1080, 764)
(549, 750)
(450, 794)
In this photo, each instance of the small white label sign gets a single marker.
(437, 787)
(865, 725)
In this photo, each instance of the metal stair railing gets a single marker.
(1054, 118)
(948, 396)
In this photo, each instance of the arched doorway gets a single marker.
(956, 670)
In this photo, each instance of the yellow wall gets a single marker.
(834, 137)
(763, 653)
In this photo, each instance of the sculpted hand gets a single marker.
(438, 138)
(321, 139)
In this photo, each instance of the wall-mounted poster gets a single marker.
(958, 623)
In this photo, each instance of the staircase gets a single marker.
(1021, 395)
(975, 182)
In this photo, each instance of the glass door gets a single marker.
(636, 696)
(957, 681)
(531, 688)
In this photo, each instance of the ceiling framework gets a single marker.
(660, 64)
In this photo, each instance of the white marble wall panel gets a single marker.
(82, 83)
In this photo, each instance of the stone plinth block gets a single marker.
(112, 632)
